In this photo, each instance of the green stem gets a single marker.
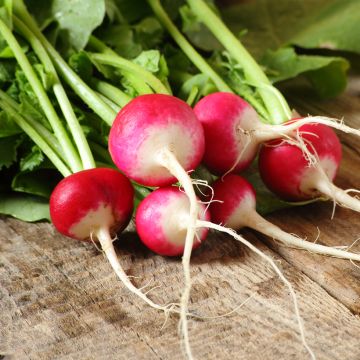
(60, 133)
(186, 47)
(48, 136)
(253, 72)
(192, 96)
(59, 91)
(113, 93)
(73, 80)
(109, 102)
(138, 84)
(37, 138)
(131, 68)
(102, 153)
(110, 57)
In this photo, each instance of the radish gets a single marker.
(162, 219)
(302, 173)
(234, 206)
(96, 204)
(233, 131)
(154, 140)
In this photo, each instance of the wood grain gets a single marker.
(59, 299)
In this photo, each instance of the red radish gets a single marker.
(233, 131)
(302, 173)
(151, 129)
(161, 220)
(154, 140)
(234, 206)
(93, 205)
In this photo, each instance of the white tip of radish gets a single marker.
(94, 219)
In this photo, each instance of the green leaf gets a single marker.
(327, 74)
(7, 126)
(8, 150)
(330, 80)
(197, 32)
(149, 60)
(41, 10)
(130, 10)
(32, 160)
(47, 78)
(326, 24)
(121, 39)
(201, 83)
(40, 182)
(24, 207)
(81, 64)
(148, 33)
(78, 19)
(7, 71)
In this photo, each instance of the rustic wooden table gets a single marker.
(59, 299)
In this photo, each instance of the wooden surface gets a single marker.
(59, 299)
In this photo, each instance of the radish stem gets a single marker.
(253, 72)
(37, 138)
(186, 47)
(132, 68)
(73, 80)
(59, 91)
(46, 135)
(69, 150)
(112, 92)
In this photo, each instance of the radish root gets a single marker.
(258, 223)
(280, 130)
(168, 160)
(107, 246)
(276, 269)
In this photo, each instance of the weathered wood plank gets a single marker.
(60, 300)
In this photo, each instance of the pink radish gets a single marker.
(96, 204)
(234, 206)
(154, 140)
(233, 131)
(302, 173)
(162, 219)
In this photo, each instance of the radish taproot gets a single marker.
(155, 139)
(302, 173)
(94, 205)
(234, 206)
(162, 219)
(234, 131)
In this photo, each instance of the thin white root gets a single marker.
(327, 188)
(106, 243)
(236, 308)
(232, 233)
(289, 128)
(169, 160)
(258, 223)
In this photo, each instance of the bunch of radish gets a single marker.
(157, 139)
